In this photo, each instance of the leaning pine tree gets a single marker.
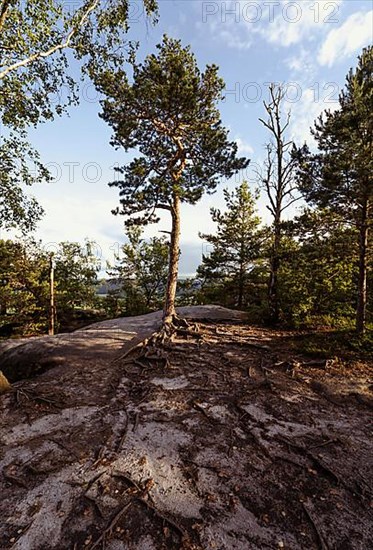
(169, 114)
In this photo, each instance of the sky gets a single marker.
(308, 46)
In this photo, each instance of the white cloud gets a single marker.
(356, 32)
(231, 33)
(304, 112)
(244, 148)
(298, 21)
(283, 23)
(302, 63)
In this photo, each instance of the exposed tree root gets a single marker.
(155, 348)
(23, 396)
(173, 327)
(108, 530)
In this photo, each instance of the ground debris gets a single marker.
(230, 440)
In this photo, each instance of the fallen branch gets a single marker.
(37, 398)
(140, 341)
(253, 344)
(63, 446)
(110, 527)
(136, 422)
(93, 480)
(123, 436)
(203, 411)
(184, 535)
(322, 444)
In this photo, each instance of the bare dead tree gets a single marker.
(278, 182)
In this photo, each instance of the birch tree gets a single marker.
(38, 41)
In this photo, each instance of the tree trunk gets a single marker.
(240, 293)
(169, 307)
(52, 305)
(3, 307)
(362, 284)
(242, 273)
(241, 285)
(274, 310)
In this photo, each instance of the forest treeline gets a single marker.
(310, 265)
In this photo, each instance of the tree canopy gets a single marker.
(169, 114)
(237, 243)
(340, 175)
(141, 271)
(317, 274)
(37, 40)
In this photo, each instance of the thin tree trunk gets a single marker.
(240, 287)
(52, 306)
(362, 284)
(241, 280)
(169, 307)
(274, 310)
(240, 292)
(3, 307)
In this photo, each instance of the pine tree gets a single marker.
(141, 270)
(318, 269)
(236, 244)
(169, 114)
(340, 175)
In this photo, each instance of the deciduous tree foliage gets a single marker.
(236, 245)
(340, 175)
(76, 268)
(169, 114)
(24, 283)
(38, 38)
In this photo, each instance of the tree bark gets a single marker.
(274, 310)
(241, 280)
(3, 307)
(362, 284)
(169, 307)
(240, 290)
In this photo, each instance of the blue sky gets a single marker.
(307, 45)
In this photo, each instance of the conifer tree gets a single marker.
(169, 114)
(340, 175)
(141, 270)
(318, 269)
(236, 244)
